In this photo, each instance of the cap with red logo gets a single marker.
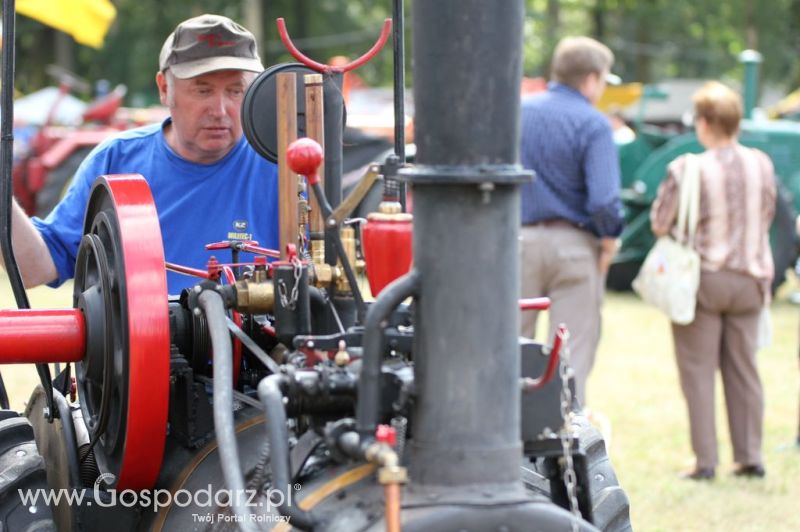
(206, 44)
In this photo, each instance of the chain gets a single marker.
(570, 478)
(291, 301)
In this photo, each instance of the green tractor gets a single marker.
(644, 163)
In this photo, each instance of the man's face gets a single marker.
(205, 109)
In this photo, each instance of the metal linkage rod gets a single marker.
(6, 160)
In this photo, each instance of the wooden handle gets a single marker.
(315, 129)
(286, 85)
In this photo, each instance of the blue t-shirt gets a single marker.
(235, 198)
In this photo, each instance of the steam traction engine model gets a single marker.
(271, 395)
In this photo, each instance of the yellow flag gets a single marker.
(86, 20)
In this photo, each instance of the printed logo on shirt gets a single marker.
(240, 231)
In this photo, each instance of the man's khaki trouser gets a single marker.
(723, 335)
(561, 262)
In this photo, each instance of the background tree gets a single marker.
(652, 39)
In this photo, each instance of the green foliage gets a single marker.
(652, 39)
(321, 29)
(658, 39)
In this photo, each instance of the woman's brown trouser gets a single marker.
(723, 335)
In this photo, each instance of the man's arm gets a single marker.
(608, 249)
(35, 264)
(601, 167)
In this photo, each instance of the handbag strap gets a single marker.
(689, 204)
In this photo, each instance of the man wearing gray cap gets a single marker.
(207, 182)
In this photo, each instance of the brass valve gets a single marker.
(324, 275)
(257, 294)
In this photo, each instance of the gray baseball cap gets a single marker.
(206, 44)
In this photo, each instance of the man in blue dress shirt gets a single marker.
(571, 213)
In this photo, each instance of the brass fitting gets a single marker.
(342, 357)
(360, 266)
(392, 475)
(390, 471)
(324, 275)
(390, 216)
(260, 274)
(255, 296)
(302, 213)
(390, 207)
(348, 236)
(317, 251)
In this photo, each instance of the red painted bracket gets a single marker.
(534, 303)
(528, 384)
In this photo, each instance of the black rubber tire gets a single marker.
(783, 236)
(610, 505)
(21, 468)
(57, 181)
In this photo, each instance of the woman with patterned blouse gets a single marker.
(737, 203)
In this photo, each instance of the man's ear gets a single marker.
(161, 82)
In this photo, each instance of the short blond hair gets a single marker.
(577, 57)
(720, 107)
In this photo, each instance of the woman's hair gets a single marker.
(720, 107)
(577, 57)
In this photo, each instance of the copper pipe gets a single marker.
(391, 495)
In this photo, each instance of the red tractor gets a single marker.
(53, 153)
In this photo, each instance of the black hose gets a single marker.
(271, 394)
(6, 187)
(369, 383)
(70, 440)
(224, 427)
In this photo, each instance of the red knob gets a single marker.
(304, 157)
(386, 434)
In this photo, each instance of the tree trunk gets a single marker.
(599, 20)
(252, 19)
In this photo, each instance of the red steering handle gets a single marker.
(326, 69)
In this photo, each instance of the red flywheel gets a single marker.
(121, 287)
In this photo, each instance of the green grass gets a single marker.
(635, 386)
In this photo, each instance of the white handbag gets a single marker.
(670, 274)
